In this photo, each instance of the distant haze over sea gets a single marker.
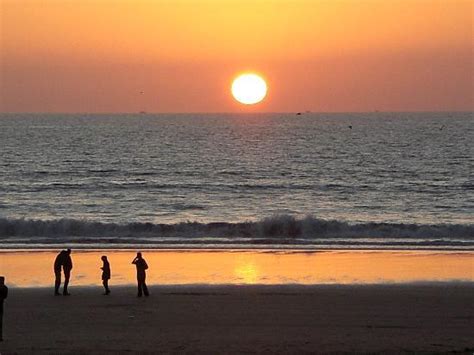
(315, 180)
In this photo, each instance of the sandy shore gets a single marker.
(245, 267)
(234, 319)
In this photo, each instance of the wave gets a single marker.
(280, 229)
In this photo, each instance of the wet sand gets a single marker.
(261, 267)
(234, 319)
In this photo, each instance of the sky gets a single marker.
(182, 55)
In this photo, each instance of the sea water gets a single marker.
(315, 180)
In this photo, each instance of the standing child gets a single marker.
(105, 274)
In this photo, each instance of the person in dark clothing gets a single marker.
(63, 260)
(67, 267)
(58, 263)
(3, 296)
(105, 274)
(141, 266)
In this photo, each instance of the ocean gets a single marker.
(311, 181)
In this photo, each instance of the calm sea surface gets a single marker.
(353, 180)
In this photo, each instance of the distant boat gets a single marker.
(298, 114)
(142, 112)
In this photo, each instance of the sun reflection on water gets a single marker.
(247, 272)
(172, 267)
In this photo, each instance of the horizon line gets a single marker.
(222, 112)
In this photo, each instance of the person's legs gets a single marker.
(67, 275)
(145, 289)
(57, 281)
(140, 283)
(1, 321)
(105, 282)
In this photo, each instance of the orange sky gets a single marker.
(319, 55)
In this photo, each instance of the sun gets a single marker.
(249, 88)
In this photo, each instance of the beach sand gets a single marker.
(244, 267)
(436, 317)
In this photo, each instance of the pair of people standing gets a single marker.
(141, 266)
(63, 261)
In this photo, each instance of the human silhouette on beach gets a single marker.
(141, 265)
(58, 263)
(3, 296)
(63, 260)
(105, 274)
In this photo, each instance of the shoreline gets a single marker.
(236, 319)
(293, 287)
(243, 248)
(245, 267)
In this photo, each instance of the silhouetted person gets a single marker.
(3, 296)
(105, 274)
(67, 267)
(58, 264)
(141, 265)
(63, 261)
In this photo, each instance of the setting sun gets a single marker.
(249, 89)
(236, 176)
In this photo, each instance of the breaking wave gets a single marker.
(276, 230)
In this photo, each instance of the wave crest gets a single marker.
(276, 227)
